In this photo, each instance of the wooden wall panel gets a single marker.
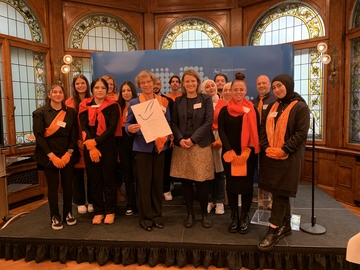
(159, 6)
(131, 5)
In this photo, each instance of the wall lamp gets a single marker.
(63, 64)
(325, 58)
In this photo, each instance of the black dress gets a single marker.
(230, 129)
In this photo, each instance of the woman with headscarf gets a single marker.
(238, 130)
(215, 186)
(282, 138)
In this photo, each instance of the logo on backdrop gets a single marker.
(252, 60)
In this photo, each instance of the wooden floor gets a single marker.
(48, 265)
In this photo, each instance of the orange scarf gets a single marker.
(54, 124)
(276, 133)
(95, 113)
(249, 130)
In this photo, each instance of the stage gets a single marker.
(125, 242)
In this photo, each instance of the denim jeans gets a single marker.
(216, 188)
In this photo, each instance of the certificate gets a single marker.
(152, 120)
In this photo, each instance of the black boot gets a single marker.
(244, 223)
(189, 221)
(234, 225)
(269, 240)
(206, 222)
(285, 228)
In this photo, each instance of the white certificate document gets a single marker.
(151, 119)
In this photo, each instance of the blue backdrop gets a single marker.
(252, 61)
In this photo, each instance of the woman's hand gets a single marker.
(186, 143)
(133, 128)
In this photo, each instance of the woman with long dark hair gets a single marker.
(125, 143)
(81, 90)
(56, 131)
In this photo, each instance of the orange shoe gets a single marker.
(109, 219)
(97, 219)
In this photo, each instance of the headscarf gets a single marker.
(215, 97)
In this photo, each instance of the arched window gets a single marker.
(289, 22)
(28, 71)
(354, 99)
(191, 33)
(99, 32)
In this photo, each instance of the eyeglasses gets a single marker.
(146, 82)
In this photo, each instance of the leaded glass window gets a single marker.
(28, 69)
(295, 22)
(99, 32)
(354, 91)
(191, 33)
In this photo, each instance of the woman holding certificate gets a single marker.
(149, 156)
(192, 160)
(238, 130)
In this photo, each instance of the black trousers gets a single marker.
(80, 194)
(54, 177)
(167, 178)
(280, 209)
(127, 167)
(102, 178)
(150, 173)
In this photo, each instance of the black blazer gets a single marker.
(202, 120)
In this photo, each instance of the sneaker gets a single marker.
(82, 209)
(56, 224)
(210, 206)
(168, 196)
(109, 219)
(219, 209)
(90, 208)
(70, 220)
(129, 212)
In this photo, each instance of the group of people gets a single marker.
(219, 141)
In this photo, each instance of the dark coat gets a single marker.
(202, 120)
(281, 177)
(230, 129)
(63, 139)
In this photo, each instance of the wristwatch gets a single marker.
(70, 151)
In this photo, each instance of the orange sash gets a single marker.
(276, 134)
(54, 124)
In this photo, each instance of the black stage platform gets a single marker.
(124, 242)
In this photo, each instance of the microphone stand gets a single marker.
(312, 227)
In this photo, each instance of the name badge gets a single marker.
(61, 124)
(95, 106)
(246, 109)
(265, 106)
(273, 114)
(197, 106)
